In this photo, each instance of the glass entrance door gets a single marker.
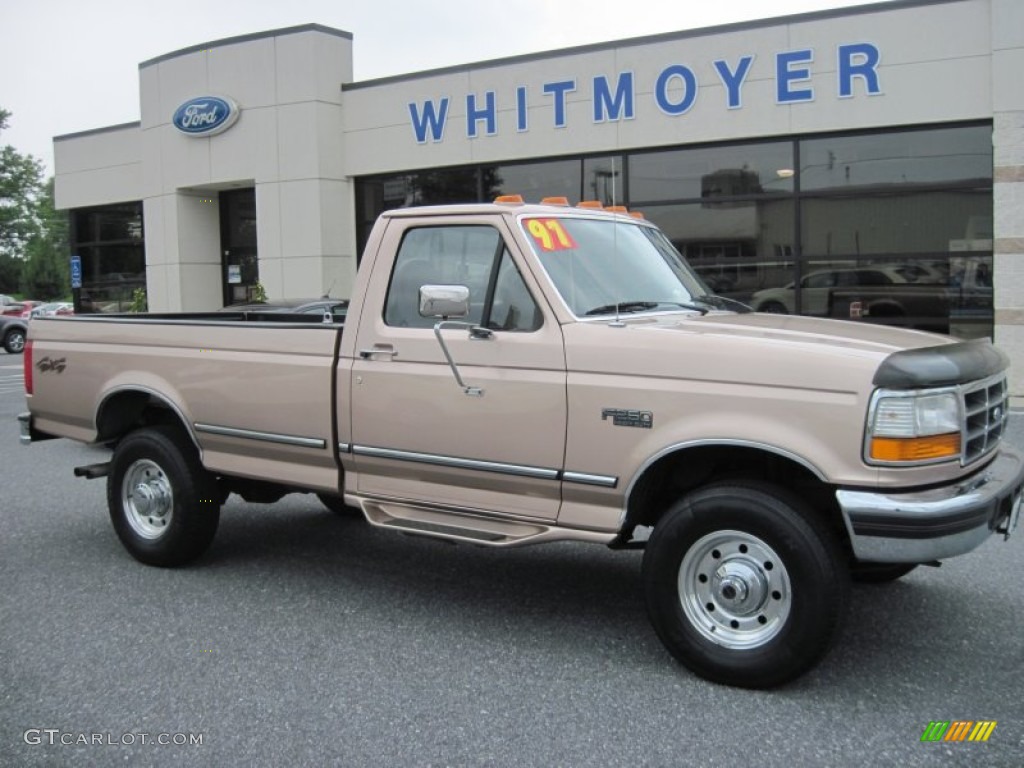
(240, 267)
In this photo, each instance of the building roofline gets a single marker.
(882, 6)
(248, 38)
(94, 131)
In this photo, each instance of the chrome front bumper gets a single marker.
(922, 526)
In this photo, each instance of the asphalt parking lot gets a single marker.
(305, 638)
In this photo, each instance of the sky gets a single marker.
(72, 65)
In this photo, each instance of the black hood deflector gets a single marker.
(941, 366)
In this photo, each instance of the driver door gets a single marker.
(417, 436)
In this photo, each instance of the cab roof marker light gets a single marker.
(555, 201)
(595, 204)
(617, 209)
(509, 199)
(637, 215)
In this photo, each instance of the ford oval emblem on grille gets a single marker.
(205, 115)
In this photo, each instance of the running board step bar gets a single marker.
(471, 528)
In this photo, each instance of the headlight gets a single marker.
(913, 427)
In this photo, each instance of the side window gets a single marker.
(820, 280)
(473, 256)
(440, 256)
(513, 308)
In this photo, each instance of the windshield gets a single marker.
(600, 265)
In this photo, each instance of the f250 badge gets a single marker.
(622, 417)
(48, 364)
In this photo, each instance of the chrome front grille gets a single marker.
(986, 411)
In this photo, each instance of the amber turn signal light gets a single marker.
(915, 448)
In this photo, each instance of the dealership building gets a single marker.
(877, 148)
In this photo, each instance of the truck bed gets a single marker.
(256, 390)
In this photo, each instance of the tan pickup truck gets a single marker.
(510, 374)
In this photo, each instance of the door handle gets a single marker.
(378, 349)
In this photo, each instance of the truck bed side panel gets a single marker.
(256, 397)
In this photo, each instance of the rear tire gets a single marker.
(337, 505)
(164, 506)
(744, 584)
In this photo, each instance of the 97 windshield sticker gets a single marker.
(549, 235)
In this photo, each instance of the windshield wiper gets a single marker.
(722, 302)
(626, 307)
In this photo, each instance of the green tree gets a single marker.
(21, 181)
(46, 271)
(10, 273)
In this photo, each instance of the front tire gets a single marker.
(774, 308)
(744, 584)
(164, 506)
(14, 341)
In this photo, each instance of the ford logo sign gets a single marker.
(205, 116)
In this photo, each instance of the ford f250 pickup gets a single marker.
(510, 374)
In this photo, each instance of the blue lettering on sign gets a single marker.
(858, 60)
(675, 91)
(733, 80)
(617, 107)
(559, 90)
(432, 119)
(786, 76)
(488, 113)
(661, 95)
(521, 113)
(76, 271)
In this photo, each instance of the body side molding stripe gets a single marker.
(266, 437)
(519, 470)
(603, 481)
(541, 473)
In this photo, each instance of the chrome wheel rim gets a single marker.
(147, 499)
(16, 341)
(734, 589)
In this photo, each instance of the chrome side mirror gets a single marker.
(444, 301)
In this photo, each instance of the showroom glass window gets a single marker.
(109, 240)
(905, 213)
(729, 209)
(914, 207)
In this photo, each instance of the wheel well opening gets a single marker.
(674, 475)
(125, 411)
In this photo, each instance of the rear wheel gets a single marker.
(164, 506)
(337, 505)
(744, 585)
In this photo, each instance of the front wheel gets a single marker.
(14, 341)
(164, 506)
(774, 308)
(744, 584)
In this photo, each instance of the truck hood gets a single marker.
(759, 349)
